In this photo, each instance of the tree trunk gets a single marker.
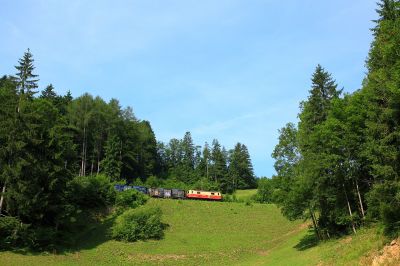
(91, 168)
(120, 151)
(350, 212)
(2, 197)
(98, 165)
(360, 200)
(314, 220)
(207, 168)
(83, 153)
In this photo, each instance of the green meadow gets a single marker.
(209, 233)
(245, 194)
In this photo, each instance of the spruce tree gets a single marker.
(188, 151)
(382, 92)
(219, 168)
(49, 93)
(112, 163)
(148, 149)
(8, 99)
(204, 165)
(314, 181)
(26, 80)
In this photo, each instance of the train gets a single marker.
(174, 193)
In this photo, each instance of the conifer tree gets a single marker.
(49, 93)
(25, 78)
(204, 165)
(219, 169)
(382, 92)
(112, 163)
(148, 149)
(188, 151)
(8, 99)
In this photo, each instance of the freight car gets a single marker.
(156, 192)
(178, 194)
(126, 187)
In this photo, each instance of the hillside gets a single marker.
(211, 233)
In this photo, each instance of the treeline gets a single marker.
(340, 165)
(60, 156)
(210, 168)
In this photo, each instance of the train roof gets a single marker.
(205, 190)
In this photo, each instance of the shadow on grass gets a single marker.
(308, 241)
(93, 236)
(87, 234)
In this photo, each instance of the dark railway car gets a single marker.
(119, 188)
(167, 193)
(178, 194)
(156, 192)
(122, 187)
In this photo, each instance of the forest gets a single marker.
(60, 155)
(339, 166)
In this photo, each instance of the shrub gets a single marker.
(130, 199)
(265, 190)
(153, 181)
(231, 198)
(138, 182)
(138, 224)
(248, 202)
(13, 233)
(91, 191)
(174, 183)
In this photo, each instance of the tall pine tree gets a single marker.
(26, 80)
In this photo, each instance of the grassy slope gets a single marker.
(245, 194)
(212, 233)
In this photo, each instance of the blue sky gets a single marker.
(231, 70)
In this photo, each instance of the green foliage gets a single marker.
(13, 233)
(174, 183)
(25, 79)
(136, 182)
(264, 191)
(153, 181)
(286, 155)
(91, 191)
(344, 145)
(231, 198)
(112, 163)
(147, 150)
(130, 198)
(384, 206)
(205, 184)
(139, 224)
(210, 168)
(240, 170)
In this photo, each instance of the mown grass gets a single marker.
(209, 233)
